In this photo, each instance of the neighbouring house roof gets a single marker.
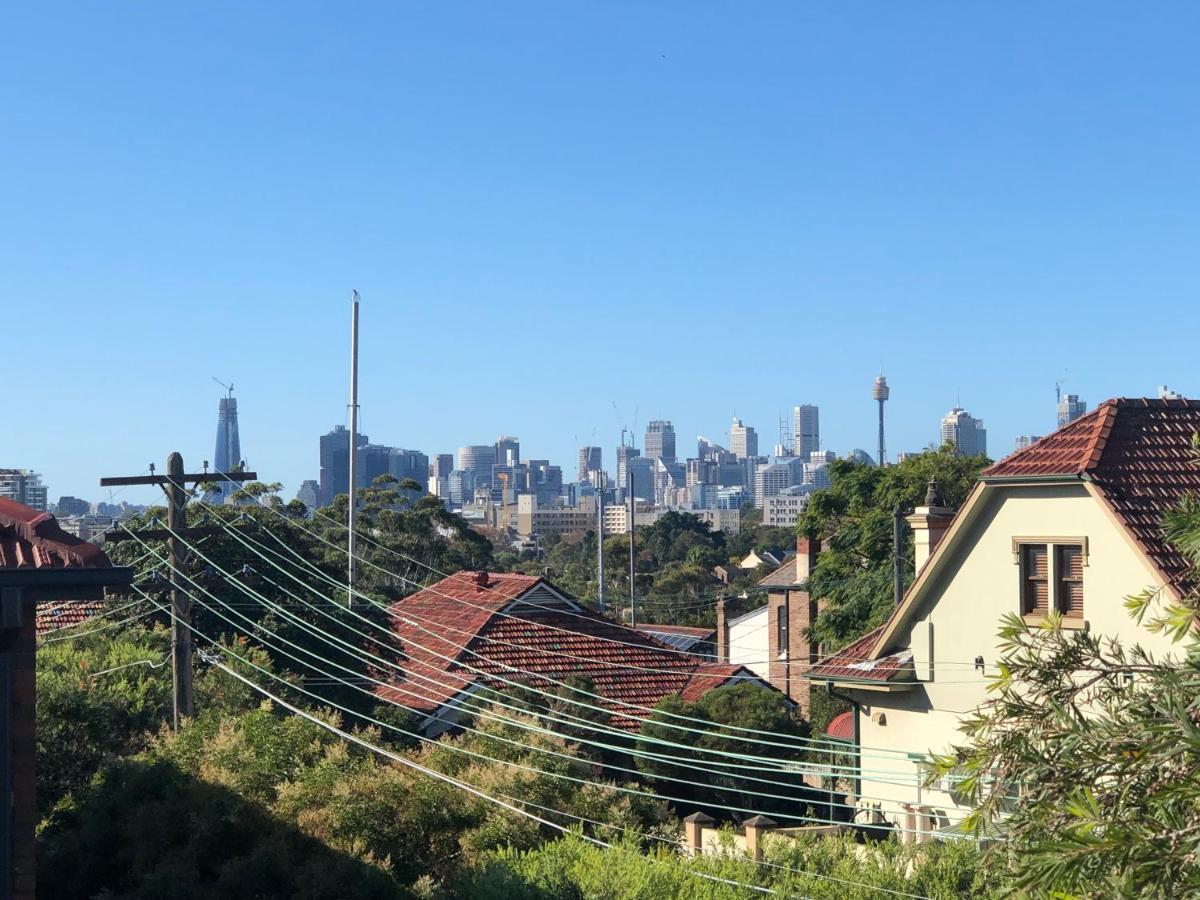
(30, 539)
(69, 572)
(854, 663)
(712, 675)
(784, 576)
(754, 559)
(53, 616)
(841, 727)
(477, 629)
(682, 637)
(1138, 454)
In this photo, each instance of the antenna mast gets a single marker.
(351, 562)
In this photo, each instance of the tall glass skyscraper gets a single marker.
(229, 446)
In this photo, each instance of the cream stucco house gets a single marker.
(1072, 522)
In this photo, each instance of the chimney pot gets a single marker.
(481, 579)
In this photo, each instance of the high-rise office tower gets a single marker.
(807, 430)
(1025, 440)
(478, 459)
(624, 454)
(743, 439)
(309, 493)
(880, 393)
(508, 450)
(25, 487)
(964, 432)
(589, 461)
(335, 462)
(660, 440)
(1070, 408)
(229, 446)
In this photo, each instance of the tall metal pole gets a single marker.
(352, 564)
(183, 705)
(600, 543)
(632, 511)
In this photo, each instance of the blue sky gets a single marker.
(559, 213)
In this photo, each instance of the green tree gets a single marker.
(853, 521)
(741, 706)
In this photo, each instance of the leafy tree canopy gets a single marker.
(853, 521)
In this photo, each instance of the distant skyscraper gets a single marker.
(229, 446)
(624, 454)
(1165, 393)
(660, 440)
(743, 439)
(478, 459)
(589, 461)
(880, 392)
(1070, 408)
(1024, 440)
(508, 450)
(965, 432)
(335, 462)
(807, 430)
(309, 494)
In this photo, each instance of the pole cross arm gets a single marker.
(160, 534)
(194, 478)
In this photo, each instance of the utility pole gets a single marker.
(600, 542)
(632, 517)
(173, 484)
(351, 565)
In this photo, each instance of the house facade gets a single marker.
(1071, 523)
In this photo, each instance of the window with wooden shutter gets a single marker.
(1035, 579)
(1068, 566)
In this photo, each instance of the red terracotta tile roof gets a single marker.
(853, 662)
(453, 638)
(33, 540)
(841, 727)
(53, 616)
(712, 675)
(1139, 454)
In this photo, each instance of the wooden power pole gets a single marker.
(173, 485)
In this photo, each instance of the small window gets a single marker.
(1068, 594)
(781, 630)
(1035, 580)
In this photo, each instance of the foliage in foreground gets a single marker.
(283, 807)
(822, 869)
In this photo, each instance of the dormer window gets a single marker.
(1051, 577)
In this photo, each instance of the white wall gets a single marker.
(748, 645)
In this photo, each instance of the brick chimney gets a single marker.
(929, 522)
(806, 557)
(480, 578)
(722, 632)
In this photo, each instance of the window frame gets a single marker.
(1054, 590)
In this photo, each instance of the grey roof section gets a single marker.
(784, 576)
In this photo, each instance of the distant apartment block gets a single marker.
(785, 508)
(309, 494)
(24, 486)
(533, 518)
(1024, 440)
(964, 432)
